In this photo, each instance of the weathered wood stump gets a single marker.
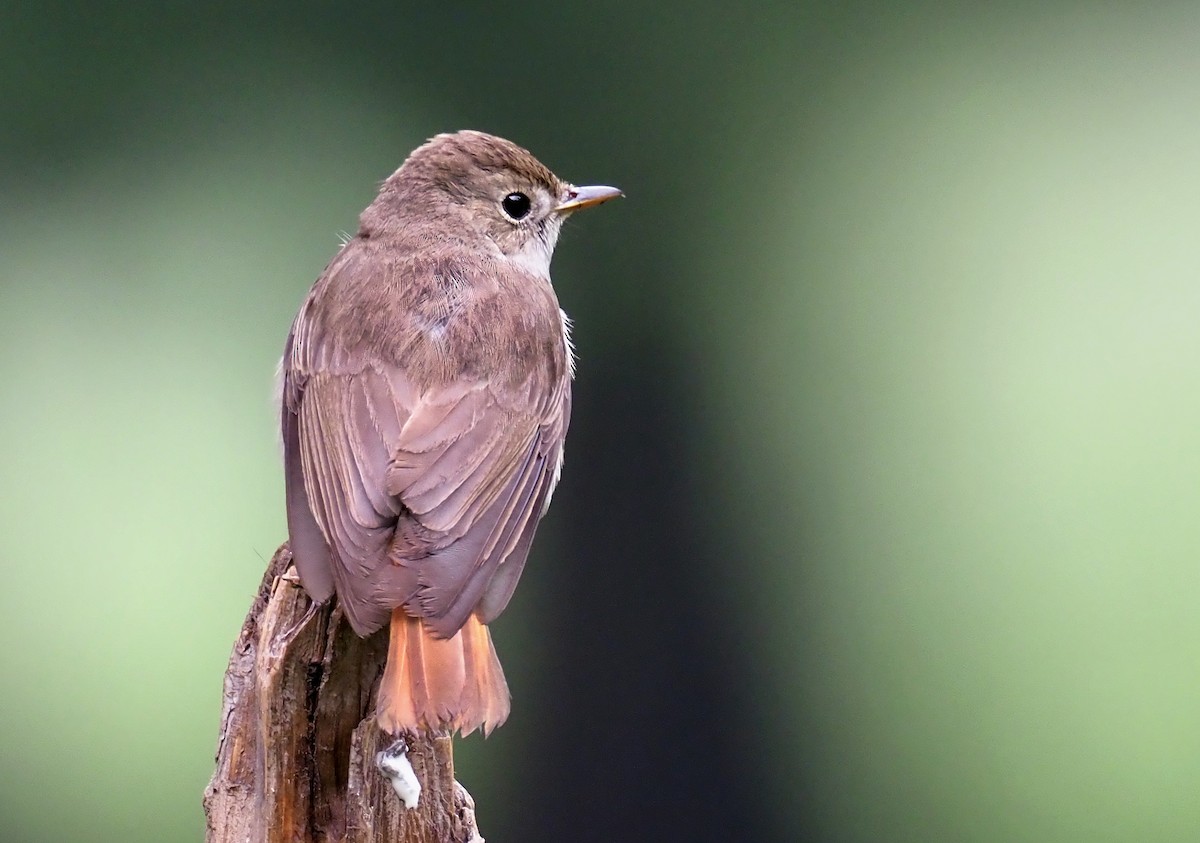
(295, 762)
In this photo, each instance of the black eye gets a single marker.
(516, 205)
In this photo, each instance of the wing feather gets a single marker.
(414, 492)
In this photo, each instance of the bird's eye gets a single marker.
(516, 205)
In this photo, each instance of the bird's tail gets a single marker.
(435, 684)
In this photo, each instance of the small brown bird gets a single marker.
(426, 395)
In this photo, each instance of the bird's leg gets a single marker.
(394, 764)
(292, 577)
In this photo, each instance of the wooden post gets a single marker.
(295, 762)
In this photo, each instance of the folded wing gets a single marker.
(422, 498)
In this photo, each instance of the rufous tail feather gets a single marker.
(440, 684)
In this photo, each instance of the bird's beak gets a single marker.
(586, 197)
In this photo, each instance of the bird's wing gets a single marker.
(475, 479)
(426, 498)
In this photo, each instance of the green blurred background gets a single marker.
(880, 511)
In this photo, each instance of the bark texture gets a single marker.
(295, 762)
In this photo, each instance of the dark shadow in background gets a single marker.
(640, 746)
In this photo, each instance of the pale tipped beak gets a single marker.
(586, 197)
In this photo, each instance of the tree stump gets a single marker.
(295, 761)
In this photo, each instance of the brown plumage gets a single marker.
(426, 398)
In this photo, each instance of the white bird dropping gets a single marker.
(393, 762)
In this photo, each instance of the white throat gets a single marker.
(535, 255)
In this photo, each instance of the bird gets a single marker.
(426, 396)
